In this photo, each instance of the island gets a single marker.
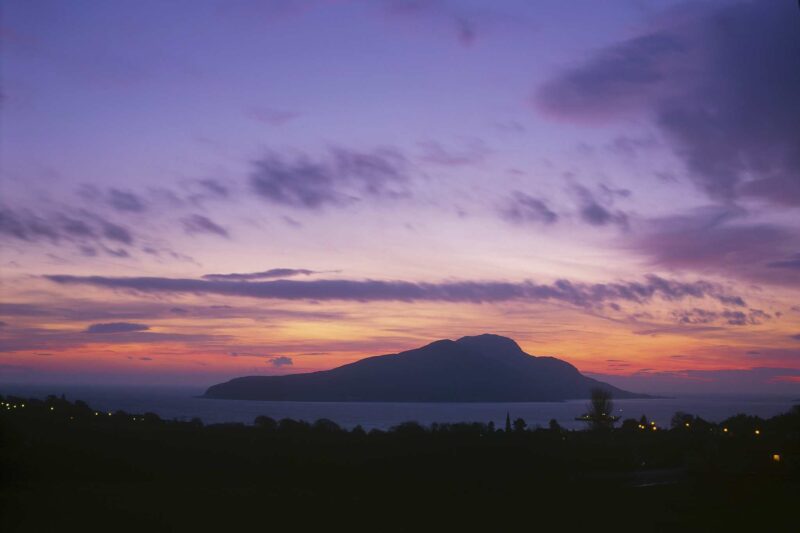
(480, 368)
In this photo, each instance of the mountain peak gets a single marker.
(480, 368)
(491, 344)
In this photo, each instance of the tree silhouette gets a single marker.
(599, 410)
(265, 422)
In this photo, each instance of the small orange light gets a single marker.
(776, 457)
(724, 430)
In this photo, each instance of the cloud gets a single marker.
(41, 339)
(617, 79)
(743, 381)
(272, 117)
(474, 152)
(267, 274)
(720, 82)
(280, 361)
(79, 310)
(26, 226)
(522, 208)
(125, 201)
(276, 361)
(731, 317)
(597, 212)
(81, 228)
(75, 227)
(119, 252)
(115, 232)
(214, 187)
(22, 309)
(194, 224)
(343, 177)
(461, 24)
(719, 239)
(116, 327)
(579, 294)
(792, 263)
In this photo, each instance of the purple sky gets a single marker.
(618, 186)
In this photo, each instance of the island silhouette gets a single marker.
(480, 368)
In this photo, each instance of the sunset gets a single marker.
(504, 170)
(194, 192)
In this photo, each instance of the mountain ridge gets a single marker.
(480, 368)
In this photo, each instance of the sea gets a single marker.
(186, 403)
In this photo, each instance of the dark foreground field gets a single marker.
(66, 467)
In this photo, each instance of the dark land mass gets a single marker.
(483, 368)
(66, 467)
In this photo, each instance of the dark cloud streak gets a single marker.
(199, 224)
(116, 327)
(267, 274)
(579, 294)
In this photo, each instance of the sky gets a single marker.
(196, 190)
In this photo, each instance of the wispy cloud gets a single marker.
(270, 116)
(340, 179)
(596, 211)
(266, 274)
(522, 208)
(194, 224)
(82, 228)
(722, 240)
(579, 294)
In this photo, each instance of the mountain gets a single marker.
(482, 368)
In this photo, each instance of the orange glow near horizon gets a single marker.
(198, 345)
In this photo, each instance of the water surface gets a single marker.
(184, 404)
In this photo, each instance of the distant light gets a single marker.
(52, 408)
(687, 424)
(109, 413)
(652, 423)
(96, 413)
(724, 430)
(758, 432)
(776, 457)
(654, 428)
